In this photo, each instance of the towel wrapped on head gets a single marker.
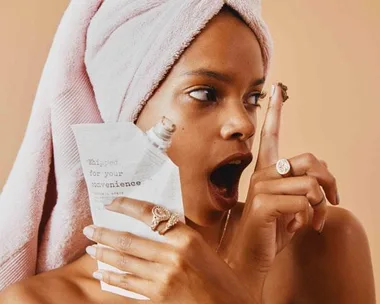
(144, 41)
(106, 61)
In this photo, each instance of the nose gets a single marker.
(239, 124)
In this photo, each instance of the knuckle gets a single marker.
(261, 205)
(124, 242)
(99, 253)
(190, 241)
(270, 133)
(145, 209)
(259, 201)
(257, 187)
(122, 261)
(314, 197)
(106, 277)
(309, 158)
(177, 260)
(311, 182)
(303, 202)
(254, 179)
(124, 281)
(162, 294)
(170, 277)
(99, 234)
(324, 163)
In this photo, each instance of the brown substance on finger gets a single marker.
(284, 90)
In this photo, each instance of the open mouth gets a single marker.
(225, 178)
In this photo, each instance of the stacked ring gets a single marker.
(161, 214)
(174, 218)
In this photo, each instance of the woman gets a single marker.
(284, 245)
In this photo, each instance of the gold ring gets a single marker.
(315, 205)
(160, 214)
(174, 219)
(283, 167)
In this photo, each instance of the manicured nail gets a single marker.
(98, 275)
(89, 231)
(321, 226)
(91, 250)
(273, 90)
(109, 203)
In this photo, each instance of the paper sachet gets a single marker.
(118, 160)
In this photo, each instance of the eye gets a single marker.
(253, 100)
(204, 94)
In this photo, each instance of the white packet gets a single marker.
(118, 160)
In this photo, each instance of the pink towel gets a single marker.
(106, 60)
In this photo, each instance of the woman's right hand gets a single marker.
(276, 206)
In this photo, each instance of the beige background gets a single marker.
(327, 52)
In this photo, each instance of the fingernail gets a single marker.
(105, 205)
(89, 231)
(337, 198)
(111, 204)
(321, 227)
(98, 275)
(273, 90)
(91, 250)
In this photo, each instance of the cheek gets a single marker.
(158, 105)
(186, 145)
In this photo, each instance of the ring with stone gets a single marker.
(160, 214)
(283, 167)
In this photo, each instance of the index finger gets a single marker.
(269, 144)
(142, 211)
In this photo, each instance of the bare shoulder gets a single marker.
(18, 293)
(49, 287)
(335, 266)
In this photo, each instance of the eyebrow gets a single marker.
(220, 76)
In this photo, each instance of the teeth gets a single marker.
(235, 162)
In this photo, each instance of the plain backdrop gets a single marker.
(326, 52)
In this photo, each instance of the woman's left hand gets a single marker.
(184, 269)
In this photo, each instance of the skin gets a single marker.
(271, 244)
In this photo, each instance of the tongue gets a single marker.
(224, 179)
(222, 190)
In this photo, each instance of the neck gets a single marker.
(211, 233)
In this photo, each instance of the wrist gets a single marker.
(252, 278)
(254, 285)
(257, 281)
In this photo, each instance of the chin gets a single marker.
(204, 206)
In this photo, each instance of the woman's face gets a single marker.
(211, 94)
